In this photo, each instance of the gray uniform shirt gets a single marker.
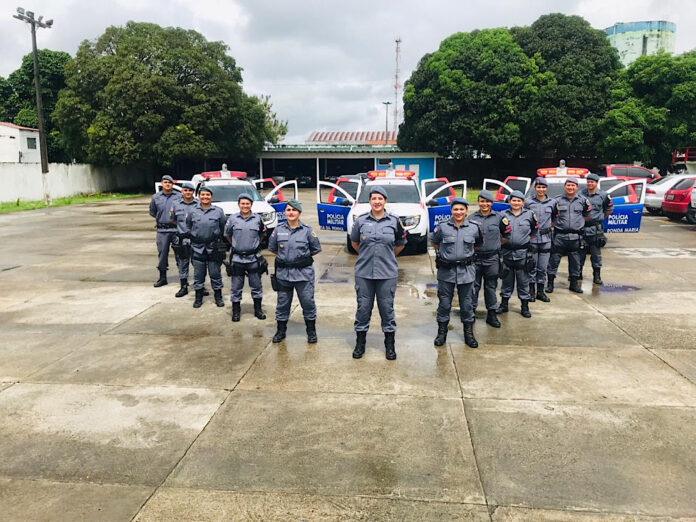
(522, 227)
(457, 244)
(601, 202)
(162, 207)
(377, 239)
(571, 213)
(293, 244)
(491, 227)
(205, 227)
(181, 212)
(546, 212)
(245, 233)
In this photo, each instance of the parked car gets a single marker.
(305, 181)
(678, 199)
(627, 171)
(656, 190)
(691, 211)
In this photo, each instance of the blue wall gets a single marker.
(426, 166)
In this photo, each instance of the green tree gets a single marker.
(563, 119)
(143, 93)
(467, 97)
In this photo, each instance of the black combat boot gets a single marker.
(162, 279)
(360, 339)
(503, 308)
(541, 296)
(258, 312)
(205, 292)
(597, 276)
(199, 299)
(525, 309)
(281, 330)
(183, 290)
(469, 338)
(218, 298)
(441, 333)
(236, 311)
(389, 349)
(549, 284)
(311, 328)
(492, 319)
(575, 286)
(532, 292)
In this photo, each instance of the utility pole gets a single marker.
(397, 85)
(28, 17)
(386, 120)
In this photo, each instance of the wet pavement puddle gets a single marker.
(657, 253)
(617, 289)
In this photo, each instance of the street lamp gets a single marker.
(386, 120)
(28, 17)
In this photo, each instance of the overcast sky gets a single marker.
(327, 65)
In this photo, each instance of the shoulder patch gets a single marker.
(314, 234)
(505, 221)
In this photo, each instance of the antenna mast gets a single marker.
(397, 86)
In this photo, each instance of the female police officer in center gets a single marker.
(294, 244)
(378, 237)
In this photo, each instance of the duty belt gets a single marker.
(164, 226)
(244, 252)
(487, 253)
(300, 263)
(512, 246)
(593, 223)
(453, 264)
(567, 231)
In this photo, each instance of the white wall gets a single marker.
(23, 180)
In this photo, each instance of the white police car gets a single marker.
(270, 207)
(419, 210)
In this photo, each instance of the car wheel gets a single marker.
(691, 216)
(673, 217)
(349, 247)
(654, 211)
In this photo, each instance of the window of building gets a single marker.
(31, 143)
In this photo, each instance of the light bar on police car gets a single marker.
(408, 174)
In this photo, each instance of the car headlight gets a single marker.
(267, 217)
(410, 221)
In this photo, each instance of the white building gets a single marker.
(19, 144)
(634, 39)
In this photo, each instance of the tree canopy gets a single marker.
(143, 93)
(468, 96)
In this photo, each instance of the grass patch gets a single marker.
(15, 206)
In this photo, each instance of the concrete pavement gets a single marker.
(120, 402)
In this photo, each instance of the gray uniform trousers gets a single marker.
(183, 265)
(541, 259)
(566, 244)
(595, 251)
(305, 293)
(365, 291)
(486, 276)
(164, 241)
(203, 262)
(445, 295)
(516, 271)
(254, 282)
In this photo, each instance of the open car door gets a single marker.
(628, 198)
(276, 200)
(334, 215)
(264, 184)
(429, 186)
(438, 202)
(502, 190)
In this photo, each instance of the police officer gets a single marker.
(245, 230)
(455, 241)
(205, 225)
(378, 237)
(573, 211)
(162, 209)
(517, 259)
(492, 225)
(294, 244)
(182, 244)
(545, 209)
(602, 206)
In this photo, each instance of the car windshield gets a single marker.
(223, 193)
(401, 193)
(351, 187)
(659, 181)
(514, 184)
(684, 184)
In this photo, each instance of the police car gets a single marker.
(419, 209)
(226, 193)
(628, 197)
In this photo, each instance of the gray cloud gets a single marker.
(326, 65)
